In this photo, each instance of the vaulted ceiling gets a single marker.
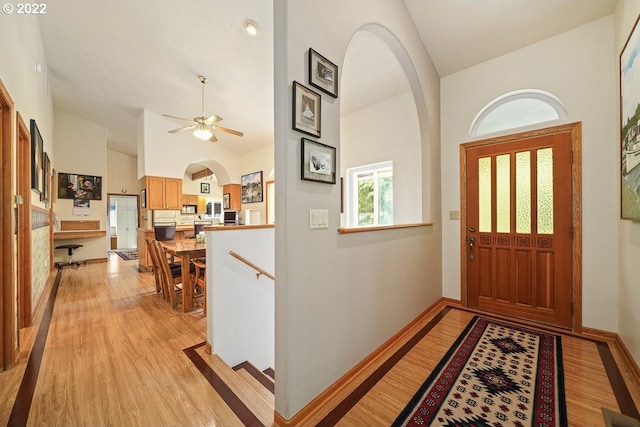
(108, 60)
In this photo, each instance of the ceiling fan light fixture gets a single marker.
(203, 133)
(251, 27)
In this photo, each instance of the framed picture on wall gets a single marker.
(251, 187)
(205, 188)
(318, 162)
(630, 127)
(74, 186)
(306, 110)
(36, 158)
(226, 200)
(323, 74)
(45, 195)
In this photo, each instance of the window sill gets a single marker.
(382, 227)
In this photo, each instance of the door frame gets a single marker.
(109, 195)
(575, 129)
(23, 161)
(8, 328)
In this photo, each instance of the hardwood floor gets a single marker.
(117, 355)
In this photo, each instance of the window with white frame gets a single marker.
(370, 195)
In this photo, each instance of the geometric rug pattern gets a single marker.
(128, 254)
(496, 374)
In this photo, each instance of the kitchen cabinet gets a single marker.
(235, 200)
(163, 193)
(202, 204)
(189, 199)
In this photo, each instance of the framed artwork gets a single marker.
(323, 74)
(73, 186)
(205, 188)
(36, 158)
(318, 162)
(630, 127)
(306, 110)
(226, 200)
(251, 187)
(45, 195)
(143, 198)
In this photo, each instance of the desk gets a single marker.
(186, 250)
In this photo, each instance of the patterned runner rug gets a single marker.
(496, 374)
(128, 255)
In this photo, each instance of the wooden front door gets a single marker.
(521, 203)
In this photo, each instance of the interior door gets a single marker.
(519, 206)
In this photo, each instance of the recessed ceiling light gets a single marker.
(251, 27)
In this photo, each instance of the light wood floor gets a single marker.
(114, 356)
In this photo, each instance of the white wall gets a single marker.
(122, 173)
(240, 308)
(578, 67)
(81, 148)
(395, 136)
(339, 297)
(258, 160)
(628, 232)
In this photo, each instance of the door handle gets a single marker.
(471, 240)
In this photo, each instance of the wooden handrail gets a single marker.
(252, 265)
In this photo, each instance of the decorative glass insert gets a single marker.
(484, 194)
(545, 190)
(523, 192)
(503, 193)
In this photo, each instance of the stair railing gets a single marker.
(259, 270)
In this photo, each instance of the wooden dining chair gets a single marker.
(151, 247)
(172, 285)
(198, 226)
(200, 279)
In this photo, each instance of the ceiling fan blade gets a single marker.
(178, 118)
(182, 129)
(213, 119)
(213, 138)
(227, 130)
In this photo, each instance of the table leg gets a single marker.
(187, 286)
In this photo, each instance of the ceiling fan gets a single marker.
(202, 126)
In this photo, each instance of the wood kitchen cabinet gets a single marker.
(235, 200)
(202, 204)
(189, 199)
(163, 193)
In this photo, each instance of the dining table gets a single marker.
(186, 250)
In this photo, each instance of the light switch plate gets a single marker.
(318, 218)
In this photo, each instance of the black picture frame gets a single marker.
(205, 188)
(251, 187)
(323, 74)
(306, 109)
(226, 201)
(630, 127)
(143, 198)
(36, 157)
(45, 195)
(75, 186)
(318, 162)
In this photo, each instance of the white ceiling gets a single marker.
(108, 60)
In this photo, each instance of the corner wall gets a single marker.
(577, 67)
(339, 297)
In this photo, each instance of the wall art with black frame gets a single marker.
(36, 157)
(75, 186)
